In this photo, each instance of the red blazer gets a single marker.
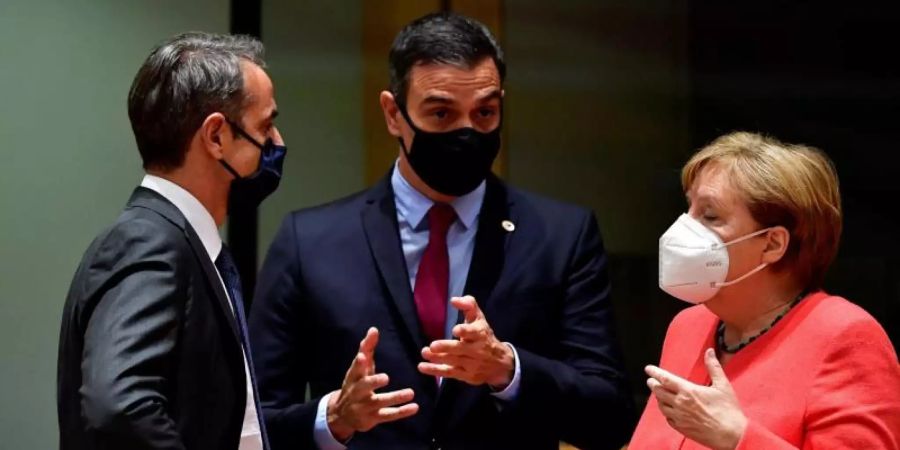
(825, 377)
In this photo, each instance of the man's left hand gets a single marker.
(477, 357)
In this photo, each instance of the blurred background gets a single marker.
(605, 100)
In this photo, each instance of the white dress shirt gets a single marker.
(205, 227)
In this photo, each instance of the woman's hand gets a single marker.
(708, 415)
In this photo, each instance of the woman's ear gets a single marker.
(777, 241)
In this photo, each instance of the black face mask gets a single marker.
(455, 162)
(252, 190)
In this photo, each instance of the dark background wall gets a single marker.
(824, 74)
(820, 73)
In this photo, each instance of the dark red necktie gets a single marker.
(433, 277)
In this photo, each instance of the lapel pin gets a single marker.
(508, 226)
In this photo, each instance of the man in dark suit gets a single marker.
(153, 350)
(483, 310)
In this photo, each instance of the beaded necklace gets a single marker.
(720, 331)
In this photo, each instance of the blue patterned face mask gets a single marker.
(253, 189)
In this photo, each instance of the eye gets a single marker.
(486, 112)
(710, 216)
(441, 113)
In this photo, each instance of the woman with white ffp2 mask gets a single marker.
(694, 261)
(765, 359)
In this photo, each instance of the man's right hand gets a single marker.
(357, 407)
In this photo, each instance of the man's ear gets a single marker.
(214, 131)
(777, 241)
(392, 115)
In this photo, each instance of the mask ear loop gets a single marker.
(240, 132)
(717, 245)
(748, 274)
(740, 278)
(230, 169)
(403, 112)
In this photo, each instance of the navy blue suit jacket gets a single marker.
(337, 269)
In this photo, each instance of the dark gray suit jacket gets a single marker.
(149, 356)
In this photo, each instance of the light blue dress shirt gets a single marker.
(412, 218)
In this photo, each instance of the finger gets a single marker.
(368, 343)
(662, 394)
(669, 380)
(446, 359)
(441, 370)
(392, 398)
(470, 331)
(452, 347)
(357, 368)
(653, 383)
(367, 347)
(716, 373)
(468, 306)
(392, 414)
(667, 410)
(370, 383)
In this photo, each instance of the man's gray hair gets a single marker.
(182, 82)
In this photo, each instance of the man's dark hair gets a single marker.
(182, 82)
(443, 38)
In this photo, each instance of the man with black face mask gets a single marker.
(154, 350)
(440, 308)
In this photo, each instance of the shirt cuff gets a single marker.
(321, 433)
(512, 390)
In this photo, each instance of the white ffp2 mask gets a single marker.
(693, 260)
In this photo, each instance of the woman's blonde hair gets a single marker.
(794, 186)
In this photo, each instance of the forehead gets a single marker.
(713, 182)
(454, 79)
(257, 86)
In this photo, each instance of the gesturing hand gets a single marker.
(708, 415)
(357, 407)
(477, 357)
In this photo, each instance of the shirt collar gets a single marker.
(412, 205)
(196, 214)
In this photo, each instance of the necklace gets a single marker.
(720, 331)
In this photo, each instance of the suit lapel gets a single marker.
(149, 199)
(491, 242)
(212, 277)
(379, 218)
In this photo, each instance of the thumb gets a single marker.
(367, 348)
(716, 373)
(368, 344)
(468, 307)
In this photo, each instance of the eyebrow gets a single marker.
(716, 203)
(437, 99)
(495, 94)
